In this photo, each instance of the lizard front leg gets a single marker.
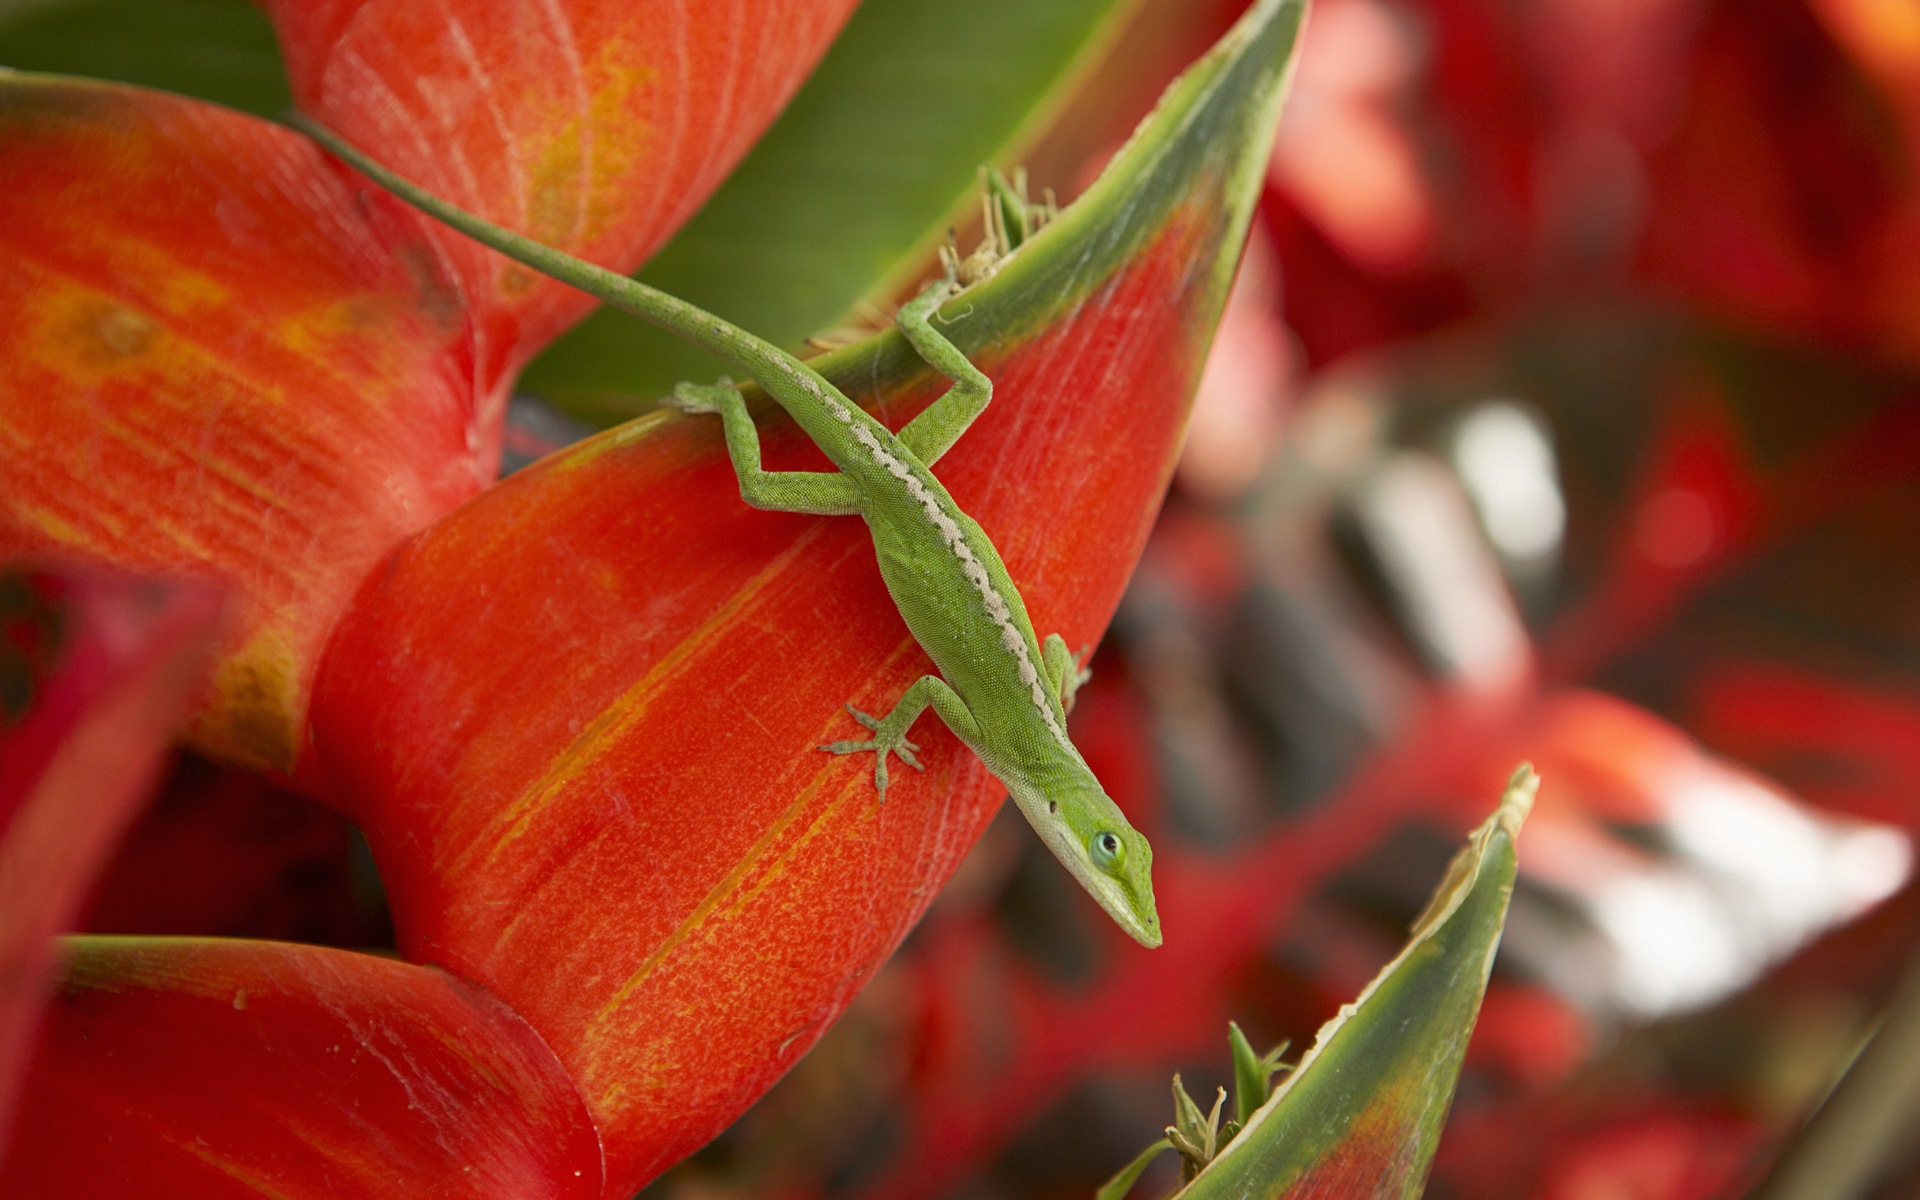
(940, 425)
(890, 731)
(821, 492)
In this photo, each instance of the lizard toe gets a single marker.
(849, 747)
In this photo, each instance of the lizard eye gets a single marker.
(1106, 849)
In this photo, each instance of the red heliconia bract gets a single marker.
(212, 1068)
(578, 718)
(593, 125)
(227, 356)
(222, 360)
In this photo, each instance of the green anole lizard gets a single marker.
(1000, 690)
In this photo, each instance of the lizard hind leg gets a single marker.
(890, 731)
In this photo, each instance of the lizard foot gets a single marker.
(881, 747)
(873, 723)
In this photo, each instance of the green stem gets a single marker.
(756, 357)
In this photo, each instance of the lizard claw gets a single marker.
(848, 747)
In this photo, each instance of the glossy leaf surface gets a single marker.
(95, 677)
(1361, 1115)
(207, 1068)
(218, 50)
(651, 862)
(848, 188)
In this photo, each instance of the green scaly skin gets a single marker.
(1001, 691)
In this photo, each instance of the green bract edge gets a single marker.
(848, 191)
(1366, 1105)
(1199, 158)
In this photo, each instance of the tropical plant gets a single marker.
(1562, 411)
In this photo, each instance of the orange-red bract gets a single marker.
(212, 1068)
(223, 361)
(232, 359)
(597, 126)
(578, 717)
(645, 853)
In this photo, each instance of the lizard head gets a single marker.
(1111, 859)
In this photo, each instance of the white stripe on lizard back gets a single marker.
(970, 566)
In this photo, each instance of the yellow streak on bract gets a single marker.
(620, 437)
(183, 292)
(253, 716)
(354, 1156)
(630, 1079)
(608, 731)
(87, 338)
(166, 283)
(199, 1149)
(606, 140)
(371, 328)
(50, 523)
(625, 1082)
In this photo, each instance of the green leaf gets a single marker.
(1361, 1115)
(1252, 1074)
(1124, 1179)
(850, 189)
(218, 50)
(1196, 1137)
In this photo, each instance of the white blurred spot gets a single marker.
(1870, 863)
(1450, 590)
(1799, 871)
(1505, 458)
(1673, 946)
(1750, 876)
